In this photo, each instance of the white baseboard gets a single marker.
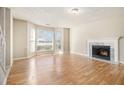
(79, 54)
(122, 62)
(15, 59)
(86, 55)
(21, 58)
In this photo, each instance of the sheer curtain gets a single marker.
(32, 40)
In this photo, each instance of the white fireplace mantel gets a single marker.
(113, 43)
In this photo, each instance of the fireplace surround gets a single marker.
(105, 50)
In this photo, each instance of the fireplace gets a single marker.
(106, 49)
(101, 52)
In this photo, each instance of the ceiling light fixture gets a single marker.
(47, 24)
(75, 11)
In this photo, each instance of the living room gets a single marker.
(54, 45)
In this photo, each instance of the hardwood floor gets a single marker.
(65, 69)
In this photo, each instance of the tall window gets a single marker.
(44, 40)
(41, 41)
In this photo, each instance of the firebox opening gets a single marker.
(101, 51)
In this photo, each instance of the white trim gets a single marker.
(15, 59)
(76, 53)
(21, 58)
(86, 55)
(79, 54)
(122, 62)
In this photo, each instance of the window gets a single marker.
(45, 40)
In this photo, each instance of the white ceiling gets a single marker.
(61, 17)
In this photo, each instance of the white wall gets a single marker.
(122, 49)
(21, 46)
(19, 38)
(110, 27)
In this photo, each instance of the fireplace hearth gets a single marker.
(101, 52)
